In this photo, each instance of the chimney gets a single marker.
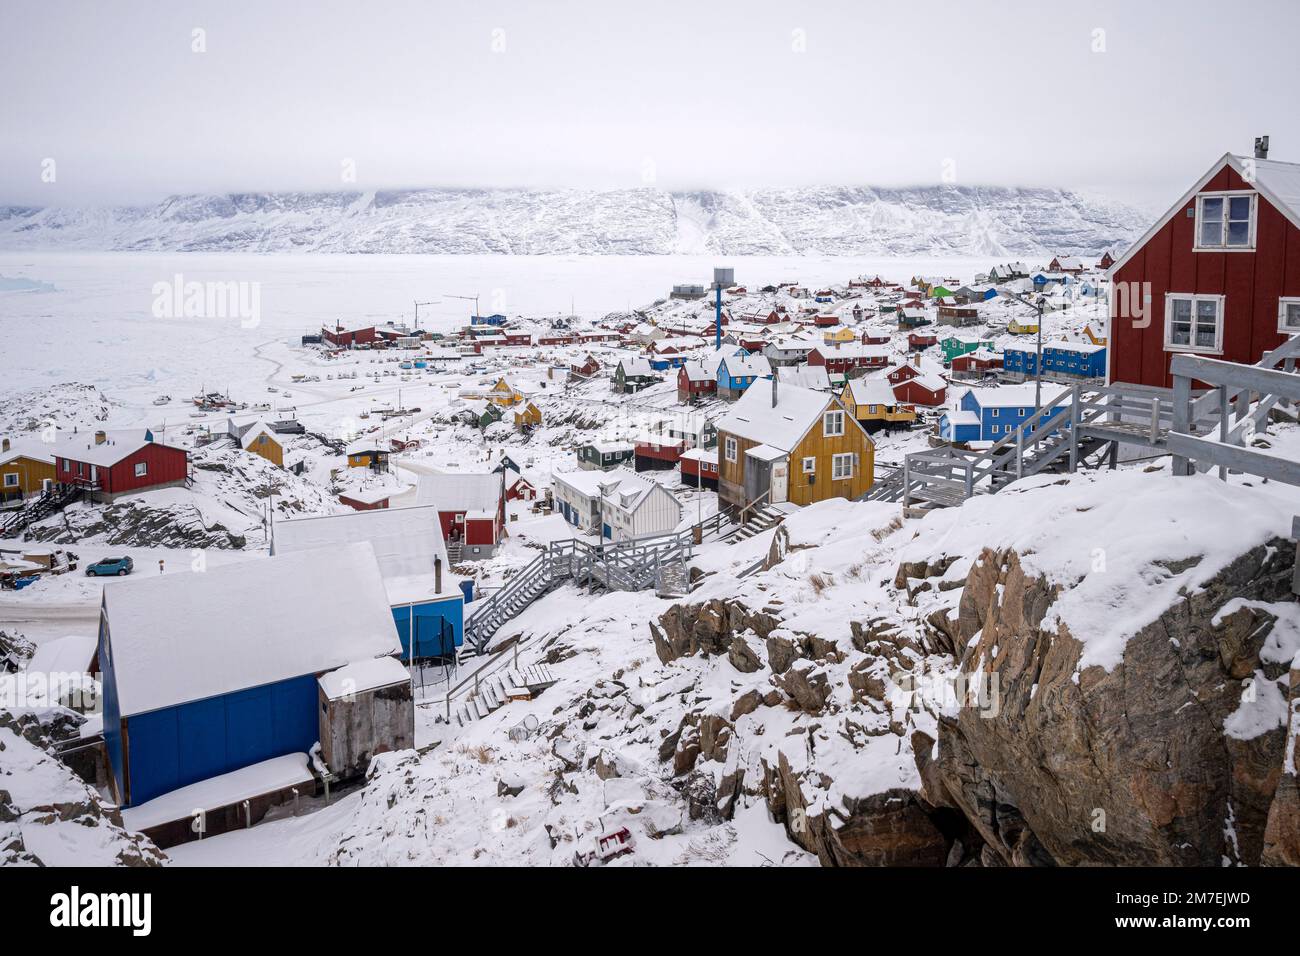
(774, 376)
(437, 575)
(4, 445)
(101, 437)
(1261, 147)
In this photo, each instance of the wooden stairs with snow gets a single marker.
(39, 508)
(763, 518)
(495, 690)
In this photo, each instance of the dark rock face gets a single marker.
(65, 802)
(1126, 767)
(1282, 830)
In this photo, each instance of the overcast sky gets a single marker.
(294, 95)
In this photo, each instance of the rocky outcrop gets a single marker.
(48, 817)
(1282, 831)
(1172, 757)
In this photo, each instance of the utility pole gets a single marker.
(430, 302)
(1038, 362)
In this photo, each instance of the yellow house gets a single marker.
(504, 394)
(839, 335)
(260, 439)
(788, 444)
(530, 416)
(1028, 327)
(25, 463)
(872, 402)
(1095, 336)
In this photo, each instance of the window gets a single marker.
(1023, 412)
(833, 424)
(141, 469)
(731, 448)
(1225, 221)
(842, 466)
(997, 412)
(1193, 323)
(1288, 315)
(809, 466)
(11, 480)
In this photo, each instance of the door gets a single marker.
(780, 480)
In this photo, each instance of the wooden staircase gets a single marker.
(763, 518)
(493, 691)
(39, 508)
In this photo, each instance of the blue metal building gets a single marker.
(206, 673)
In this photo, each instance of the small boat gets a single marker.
(162, 400)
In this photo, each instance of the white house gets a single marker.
(618, 505)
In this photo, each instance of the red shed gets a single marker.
(921, 340)
(1217, 275)
(112, 464)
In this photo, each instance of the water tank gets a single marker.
(724, 277)
(467, 589)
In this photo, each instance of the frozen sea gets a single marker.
(97, 324)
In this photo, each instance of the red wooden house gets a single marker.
(1217, 275)
(342, 337)
(695, 382)
(977, 362)
(826, 321)
(700, 468)
(471, 508)
(914, 387)
(921, 340)
(848, 357)
(1106, 261)
(589, 367)
(875, 338)
(112, 464)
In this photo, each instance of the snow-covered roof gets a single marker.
(1004, 396)
(27, 448)
(117, 444)
(596, 484)
(407, 542)
(249, 433)
(64, 655)
(766, 453)
(1082, 348)
(804, 376)
(872, 391)
(184, 637)
(756, 418)
(709, 455)
(460, 491)
(360, 676)
(741, 366)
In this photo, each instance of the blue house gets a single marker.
(991, 414)
(1020, 360)
(736, 374)
(496, 318)
(205, 673)
(661, 363)
(1074, 359)
(423, 593)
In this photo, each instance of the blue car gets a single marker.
(118, 566)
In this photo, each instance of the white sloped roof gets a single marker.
(755, 418)
(872, 391)
(184, 637)
(407, 541)
(460, 491)
(116, 446)
(361, 676)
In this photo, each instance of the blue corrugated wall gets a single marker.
(176, 746)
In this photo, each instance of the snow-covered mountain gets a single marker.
(830, 220)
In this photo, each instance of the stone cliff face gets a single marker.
(1174, 757)
(1184, 754)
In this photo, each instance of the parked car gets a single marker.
(118, 566)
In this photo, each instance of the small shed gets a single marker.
(367, 708)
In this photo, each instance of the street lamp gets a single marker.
(1038, 361)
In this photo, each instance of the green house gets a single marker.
(940, 292)
(954, 346)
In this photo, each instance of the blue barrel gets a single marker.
(467, 589)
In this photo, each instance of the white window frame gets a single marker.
(834, 415)
(1220, 301)
(1226, 196)
(810, 466)
(837, 465)
(142, 469)
(730, 449)
(1282, 304)
(11, 479)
